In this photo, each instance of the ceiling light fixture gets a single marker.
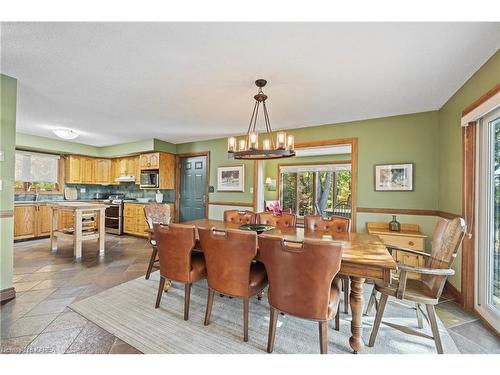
(248, 147)
(65, 133)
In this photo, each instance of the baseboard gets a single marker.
(454, 292)
(7, 294)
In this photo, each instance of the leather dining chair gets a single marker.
(155, 213)
(284, 220)
(335, 224)
(229, 256)
(302, 282)
(178, 262)
(239, 217)
(427, 290)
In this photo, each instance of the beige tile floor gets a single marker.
(38, 320)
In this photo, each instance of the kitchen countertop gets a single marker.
(78, 200)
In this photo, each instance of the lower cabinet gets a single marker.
(33, 220)
(134, 221)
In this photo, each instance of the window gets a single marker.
(316, 189)
(36, 172)
(488, 255)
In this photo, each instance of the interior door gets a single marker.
(193, 175)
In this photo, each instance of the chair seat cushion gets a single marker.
(415, 291)
(335, 292)
(258, 278)
(198, 267)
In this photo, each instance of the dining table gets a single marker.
(364, 257)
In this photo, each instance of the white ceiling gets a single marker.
(119, 82)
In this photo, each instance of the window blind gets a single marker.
(314, 168)
(36, 167)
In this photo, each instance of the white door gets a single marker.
(488, 226)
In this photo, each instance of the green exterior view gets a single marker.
(8, 98)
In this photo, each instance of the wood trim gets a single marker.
(476, 103)
(468, 213)
(447, 215)
(327, 142)
(178, 180)
(453, 291)
(486, 323)
(242, 204)
(6, 213)
(399, 211)
(7, 294)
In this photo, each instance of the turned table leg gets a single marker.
(356, 302)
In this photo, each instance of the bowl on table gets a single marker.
(259, 228)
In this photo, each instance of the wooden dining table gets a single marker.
(364, 257)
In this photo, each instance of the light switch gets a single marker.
(251, 190)
(1, 185)
(2, 155)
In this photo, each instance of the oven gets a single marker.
(150, 179)
(114, 218)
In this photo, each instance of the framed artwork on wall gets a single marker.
(394, 177)
(231, 178)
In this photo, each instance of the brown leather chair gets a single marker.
(178, 262)
(285, 220)
(231, 270)
(336, 224)
(238, 217)
(302, 281)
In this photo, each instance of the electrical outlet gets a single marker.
(82, 190)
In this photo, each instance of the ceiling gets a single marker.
(179, 82)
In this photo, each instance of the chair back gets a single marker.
(446, 241)
(285, 220)
(238, 217)
(334, 224)
(300, 275)
(157, 213)
(342, 209)
(228, 256)
(175, 243)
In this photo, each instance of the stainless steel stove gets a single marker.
(114, 213)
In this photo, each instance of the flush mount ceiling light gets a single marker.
(65, 133)
(248, 147)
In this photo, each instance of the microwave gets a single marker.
(150, 179)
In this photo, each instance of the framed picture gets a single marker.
(394, 177)
(231, 178)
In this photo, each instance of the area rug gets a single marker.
(127, 311)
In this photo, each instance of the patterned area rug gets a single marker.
(128, 312)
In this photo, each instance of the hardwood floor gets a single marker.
(38, 320)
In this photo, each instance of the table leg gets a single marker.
(356, 302)
(102, 235)
(78, 235)
(53, 227)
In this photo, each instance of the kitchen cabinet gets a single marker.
(44, 220)
(73, 169)
(134, 221)
(25, 221)
(87, 170)
(150, 161)
(102, 171)
(167, 171)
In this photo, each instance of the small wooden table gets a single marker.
(364, 257)
(77, 234)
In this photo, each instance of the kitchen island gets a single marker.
(84, 213)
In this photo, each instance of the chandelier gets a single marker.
(248, 147)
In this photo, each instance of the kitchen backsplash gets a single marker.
(130, 190)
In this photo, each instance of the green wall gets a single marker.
(8, 97)
(450, 142)
(44, 144)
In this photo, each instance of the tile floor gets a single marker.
(38, 320)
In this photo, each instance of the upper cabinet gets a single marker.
(150, 161)
(87, 170)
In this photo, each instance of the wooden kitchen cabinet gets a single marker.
(87, 170)
(102, 171)
(150, 161)
(134, 221)
(44, 220)
(25, 221)
(73, 169)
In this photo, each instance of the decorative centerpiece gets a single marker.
(259, 228)
(394, 225)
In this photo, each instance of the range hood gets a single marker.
(125, 179)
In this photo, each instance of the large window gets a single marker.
(488, 296)
(316, 189)
(36, 172)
